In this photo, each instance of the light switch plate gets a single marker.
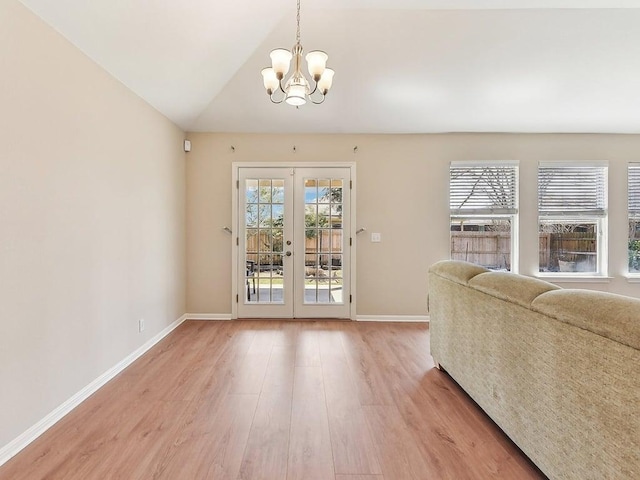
(376, 237)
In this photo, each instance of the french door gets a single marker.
(294, 248)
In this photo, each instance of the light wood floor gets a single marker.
(278, 400)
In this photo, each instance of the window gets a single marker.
(484, 210)
(634, 218)
(572, 208)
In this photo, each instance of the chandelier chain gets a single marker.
(298, 22)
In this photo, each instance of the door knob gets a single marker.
(288, 254)
(288, 242)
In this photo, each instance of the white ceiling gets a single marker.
(402, 66)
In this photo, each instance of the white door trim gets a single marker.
(235, 166)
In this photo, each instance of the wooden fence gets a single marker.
(573, 251)
(493, 249)
(265, 248)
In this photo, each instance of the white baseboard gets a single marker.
(16, 445)
(359, 318)
(207, 316)
(393, 318)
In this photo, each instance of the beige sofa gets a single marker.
(557, 369)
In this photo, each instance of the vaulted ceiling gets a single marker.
(402, 66)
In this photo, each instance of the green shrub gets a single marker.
(634, 255)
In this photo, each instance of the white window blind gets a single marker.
(634, 191)
(483, 189)
(572, 190)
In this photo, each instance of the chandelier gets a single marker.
(297, 89)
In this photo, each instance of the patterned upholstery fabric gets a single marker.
(557, 369)
(606, 314)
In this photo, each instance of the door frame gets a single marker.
(235, 249)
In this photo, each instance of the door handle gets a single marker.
(288, 254)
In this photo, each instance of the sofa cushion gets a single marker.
(613, 316)
(511, 287)
(457, 271)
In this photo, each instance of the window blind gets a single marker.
(572, 190)
(634, 190)
(483, 189)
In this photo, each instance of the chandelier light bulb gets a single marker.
(296, 90)
(296, 95)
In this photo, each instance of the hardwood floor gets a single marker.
(271, 400)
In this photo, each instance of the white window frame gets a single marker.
(633, 204)
(576, 215)
(487, 212)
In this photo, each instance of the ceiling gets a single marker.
(402, 66)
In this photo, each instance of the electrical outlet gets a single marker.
(141, 325)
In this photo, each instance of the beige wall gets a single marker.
(402, 192)
(92, 221)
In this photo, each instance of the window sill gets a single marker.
(633, 278)
(575, 279)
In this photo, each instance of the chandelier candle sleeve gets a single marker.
(326, 80)
(297, 90)
(316, 62)
(280, 62)
(270, 79)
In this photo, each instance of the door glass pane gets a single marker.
(264, 215)
(252, 241)
(276, 238)
(311, 241)
(251, 215)
(264, 223)
(324, 191)
(310, 216)
(252, 191)
(336, 266)
(265, 191)
(277, 189)
(265, 241)
(324, 241)
(336, 241)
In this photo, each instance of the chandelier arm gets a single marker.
(317, 103)
(271, 97)
(280, 86)
(274, 101)
(311, 93)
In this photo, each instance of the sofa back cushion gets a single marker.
(613, 316)
(456, 271)
(511, 287)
